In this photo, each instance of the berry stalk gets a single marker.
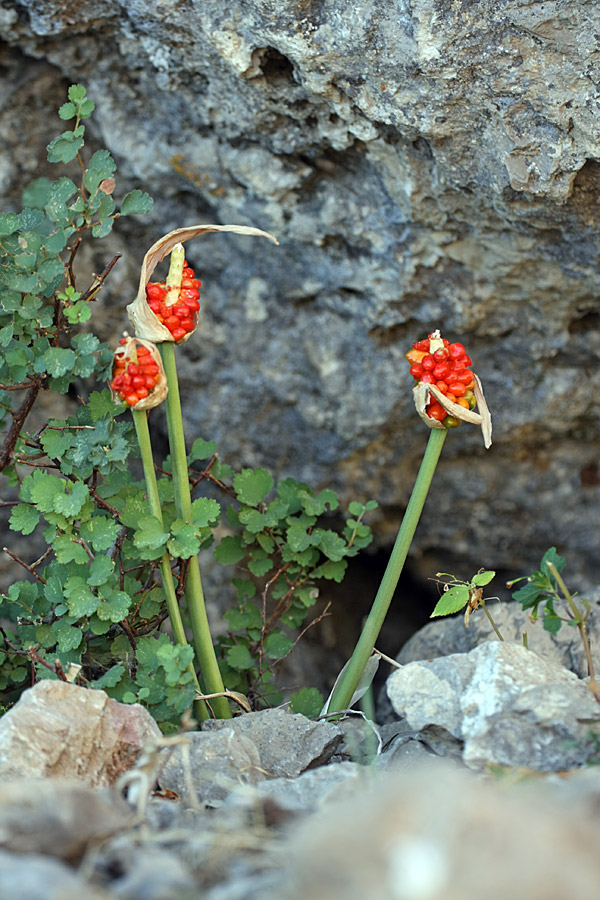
(143, 435)
(342, 695)
(203, 644)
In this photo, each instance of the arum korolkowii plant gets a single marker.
(168, 311)
(447, 393)
(167, 314)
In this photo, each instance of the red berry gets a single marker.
(436, 411)
(458, 389)
(131, 399)
(442, 370)
(440, 355)
(178, 333)
(442, 386)
(427, 378)
(416, 371)
(421, 345)
(428, 363)
(456, 351)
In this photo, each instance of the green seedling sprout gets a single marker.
(460, 594)
(546, 588)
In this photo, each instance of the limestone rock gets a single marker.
(58, 729)
(211, 764)
(423, 164)
(287, 744)
(505, 703)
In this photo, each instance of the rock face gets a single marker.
(61, 730)
(423, 164)
(506, 704)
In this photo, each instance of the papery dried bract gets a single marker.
(421, 393)
(142, 318)
(158, 393)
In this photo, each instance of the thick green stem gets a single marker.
(350, 679)
(143, 435)
(203, 644)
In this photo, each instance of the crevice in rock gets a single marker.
(276, 68)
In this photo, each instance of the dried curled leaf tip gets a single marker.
(168, 311)
(138, 378)
(447, 391)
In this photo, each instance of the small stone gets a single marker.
(212, 764)
(314, 788)
(288, 743)
(38, 877)
(56, 817)
(62, 730)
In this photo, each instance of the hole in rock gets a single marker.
(276, 68)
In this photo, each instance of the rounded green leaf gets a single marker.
(482, 578)
(252, 485)
(239, 658)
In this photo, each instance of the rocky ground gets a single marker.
(484, 772)
(425, 164)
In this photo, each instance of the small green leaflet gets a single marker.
(110, 678)
(150, 538)
(451, 601)
(482, 578)
(308, 702)
(55, 442)
(101, 532)
(65, 147)
(115, 607)
(70, 505)
(239, 657)
(252, 485)
(24, 518)
(183, 544)
(81, 601)
(101, 166)
(67, 550)
(202, 449)
(229, 551)
(42, 489)
(205, 511)
(136, 203)
(277, 645)
(101, 569)
(56, 361)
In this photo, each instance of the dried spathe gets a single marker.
(144, 320)
(138, 378)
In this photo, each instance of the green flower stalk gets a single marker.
(442, 405)
(202, 639)
(139, 382)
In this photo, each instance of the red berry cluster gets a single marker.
(179, 317)
(437, 361)
(134, 377)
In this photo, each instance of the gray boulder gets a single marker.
(506, 704)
